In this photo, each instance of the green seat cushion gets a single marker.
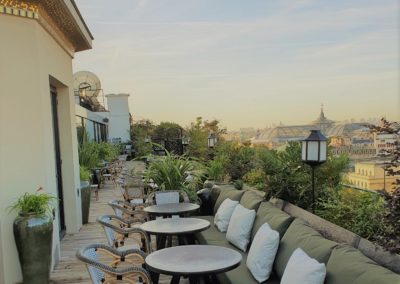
(239, 275)
(348, 265)
(277, 219)
(227, 192)
(251, 200)
(211, 234)
(301, 235)
(214, 193)
(242, 275)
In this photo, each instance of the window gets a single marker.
(94, 130)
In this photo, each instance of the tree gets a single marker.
(290, 179)
(198, 134)
(389, 237)
(169, 135)
(140, 131)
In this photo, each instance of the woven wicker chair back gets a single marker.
(109, 232)
(117, 211)
(95, 274)
(165, 197)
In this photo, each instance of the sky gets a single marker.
(247, 63)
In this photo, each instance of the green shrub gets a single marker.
(356, 211)
(290, 179)
(169, 173)
(89, 156)
(84, 173)
(238, 184)
(92, 153)
(237, 159)
(215, 170)
(256, 178)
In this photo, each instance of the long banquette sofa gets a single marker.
(345, 264)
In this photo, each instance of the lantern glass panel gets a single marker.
(210, 142)
(312, 152)
(322, 156)
(303, 150)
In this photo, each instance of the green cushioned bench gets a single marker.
(344, 263)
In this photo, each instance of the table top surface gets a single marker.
(174, 226)
(172, 208)
(193, 260)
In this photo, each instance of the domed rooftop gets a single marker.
(346, 129)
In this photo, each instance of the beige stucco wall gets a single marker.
(28, 57)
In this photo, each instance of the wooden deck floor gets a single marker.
(70, 269)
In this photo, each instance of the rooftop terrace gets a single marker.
(70, 269)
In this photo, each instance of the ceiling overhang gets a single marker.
(61, 18)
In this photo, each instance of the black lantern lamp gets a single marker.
(212, 140)
(185, 140)
(313, 153)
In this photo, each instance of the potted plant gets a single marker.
(215, 173)
(169, 173)
(33, 233)
(84, 175)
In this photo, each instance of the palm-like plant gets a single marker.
(169, 173)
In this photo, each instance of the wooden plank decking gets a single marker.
(70, 269)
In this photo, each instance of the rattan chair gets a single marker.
(121, 266)
(129, 211)
(122, 234)
(167, 196)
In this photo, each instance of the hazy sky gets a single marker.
(247, 63)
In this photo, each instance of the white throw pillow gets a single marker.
(224, 213)
(303, 269)
(240, 225)
(262, 253)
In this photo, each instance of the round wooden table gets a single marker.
(193, 261)
(171, 209)
(174, 226)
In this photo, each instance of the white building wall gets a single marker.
(30, 58)
(118, 108)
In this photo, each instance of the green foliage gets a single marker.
(238, 159)
(198, 134)
(89, 154)
(215, 170)
(357, 211)
(92, 153)
(167, 131)
(107, 151)
(238, 184)
(169, 173)
(84, 173)
(140, 131)
(290, 179)
(37, 203)
(257, 178)
(389, 236)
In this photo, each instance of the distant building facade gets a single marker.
(385, 142)
(371, 175)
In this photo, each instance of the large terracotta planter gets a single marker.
(34, 237)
